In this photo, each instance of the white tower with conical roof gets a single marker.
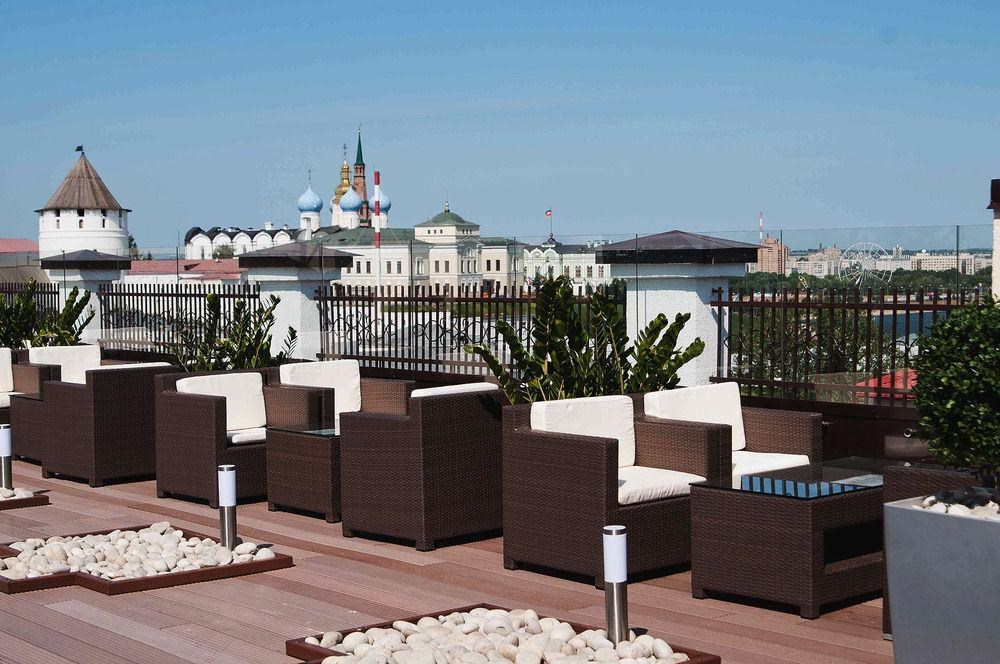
(82, 214)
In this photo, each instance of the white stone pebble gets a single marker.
(15, 493)
(491, 636)
(124, 554)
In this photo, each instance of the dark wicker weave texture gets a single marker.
(559, 491)
(303, 469)
(902, 482)
(191, 436)
(431, 475)
(28, 379)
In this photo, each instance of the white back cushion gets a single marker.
(244, 394)
(132, 365)
(603, 417)
(453, 389)
(6, 373)
(715, 404)
(74, 361)
(343, 376)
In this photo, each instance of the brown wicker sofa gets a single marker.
(427, 476)
(565, 477)
(200, 424)
(762, 439)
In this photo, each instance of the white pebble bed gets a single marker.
(485, 636)
(988, 511)
(124, 554)
(12, 494)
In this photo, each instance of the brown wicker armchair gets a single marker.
(101, 430)
(762, 439)
(560, 488)
(17, 378)
(199, 428)
(428, 476)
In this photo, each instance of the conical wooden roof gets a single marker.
(84, 189)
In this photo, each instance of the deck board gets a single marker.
(339, 582)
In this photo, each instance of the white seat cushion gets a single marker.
(5, 398)
(603, 417)
(343, 376)
(715, 404)
(6, 373)
(445, 390)
(746, 463)
(244, 393)
(638, 484)
(132, 365)
(73, 361)
(243, 436)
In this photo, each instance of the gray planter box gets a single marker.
(944, 580)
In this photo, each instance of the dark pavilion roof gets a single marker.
(994, 195)
(297, 254)
(446, 218)
(86, 259)
(82, 188)
(677, 247)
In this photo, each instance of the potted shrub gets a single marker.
(939, 561)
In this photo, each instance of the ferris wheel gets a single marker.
(864, 263)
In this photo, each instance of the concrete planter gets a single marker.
(944, 579)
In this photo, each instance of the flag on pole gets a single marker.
(548, 213)
(79, 148)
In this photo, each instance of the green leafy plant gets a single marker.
(66, 328)
(958, 388)
(243, 341)
(22, 322)
(578, 355)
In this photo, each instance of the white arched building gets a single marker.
(82, 214)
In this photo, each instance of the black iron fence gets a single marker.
(148, 317)
(844, 345)
(410, 329)
(46, 295)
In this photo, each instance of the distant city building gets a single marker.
(772, 256)
(576, 261)
(82, 214)
(822, 263)
(966, 263)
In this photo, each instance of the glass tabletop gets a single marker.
(814, 480)
(328, 432)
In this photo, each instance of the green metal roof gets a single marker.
(496, 241)
(358, 237)
(447, 218)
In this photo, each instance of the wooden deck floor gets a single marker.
(340, 582)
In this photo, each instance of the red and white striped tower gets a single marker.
(761, 220)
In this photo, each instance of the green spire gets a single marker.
(360, 160)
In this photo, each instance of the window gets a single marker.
(590, 271)
(498, 265)
(104, 222)
(437, 266)
(446, 267)
(399, 267)
(437, 289)
(104, 213)
(368, 267)
(550, 272)
(79, 212)
(600, 271)
(57, 224)
(357, 267)
(577, 271)
(80, 224)
(58, 212)
(566, 270)
(388, 267)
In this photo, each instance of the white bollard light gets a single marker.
(227, 506)
(6, 471)
(616, 583)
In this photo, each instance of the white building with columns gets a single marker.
(82, 214)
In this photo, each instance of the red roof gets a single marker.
(13, 246)
(901, 380)
(207, 269)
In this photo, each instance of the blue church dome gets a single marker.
(383, 201)
(310, 202)
(350, 201)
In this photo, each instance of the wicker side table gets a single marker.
(303, 471)
(807, 550)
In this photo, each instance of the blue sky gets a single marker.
(622, 117)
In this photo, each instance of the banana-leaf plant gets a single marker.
(573, 355)
(66, 328)
(212, 343)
